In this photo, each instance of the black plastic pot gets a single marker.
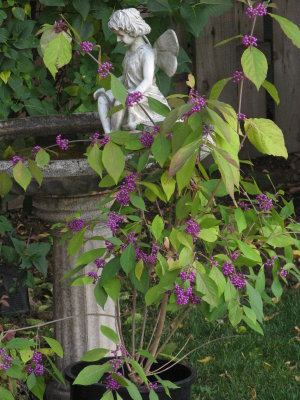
(182, 375)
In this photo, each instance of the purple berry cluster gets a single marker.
(16, 159)
(63, 144)
(147, 139)
(193, 228)
(185, 296)
(132, 98)
(198, 103)
(105, 68)
(207, 128)
(140, 254)
(109, 247)
(128, 186)
(264, 203)
(212, 263)
(238, 76)
(243, 205)
(35, 150)
(100, 263)
(152, 386)
(238, 280)
(116, 363)
(5, 360)
(241, 117)
(60, 26)
(259, 11)
(76, 224)
(104, 140)
(283, 272)
(94, 275)
(36, 365)
(228, 268)
(270, 263)
(86, 46)
(114, 220)
(249, 40)
(94, 139)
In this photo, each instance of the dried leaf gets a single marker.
(267, 366)
(269, 317)
(253, 393)
(205, 360)
(297, 377)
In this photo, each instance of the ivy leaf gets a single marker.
(266, 136)
(82, 6)
(22, 175)
(291, 30)
(58, 53)
(35, 171)
(94, 159)
(6, 184)
(255, 66)
(113, 160)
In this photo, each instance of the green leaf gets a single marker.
(139, 269)
(157, 227)
(39, 388)
(92, 374)
(137, 201)
(5, 394)
(207, 286)
(253, 325)
(113, 288)
(110, 270)
(155, 189)
(210, 234)
(153, 395)
(235, 312)
(240, 219)
(35, 171)
(94, 355)
(55, 346)
(255, 66)
(271, 89)
(56, 371)
(94, 159)
(16, 372)
(255, 302)
(118, 90)
(6, 184)
(109, 333)
(113, 160)
(76, 242)
(89, 256)
(58, 53)
(53, 3)
(291, 30)
(128, 259)
(161, 149)
(219, 279)
(174, 116)
(31, 381)
(158, 107)
(22, 175)
(4, 75)
(146, 354)
(136, 366)
(100, 294)
(133, 391)
(184, 175)
(18, 13)
(228, 40)
(217, 89)
(82, 6)
(182, 155)
(266, 136)
(143, 160)
(42, 158)
(19, 343)
(277, 288)
(249, 252)
(168, 185)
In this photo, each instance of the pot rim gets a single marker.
(70, 377)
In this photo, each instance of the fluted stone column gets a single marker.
(82, 332)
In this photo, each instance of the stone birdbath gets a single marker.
(68, 186)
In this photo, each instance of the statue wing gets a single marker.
(166, 48)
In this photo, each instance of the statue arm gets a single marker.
(148, 62)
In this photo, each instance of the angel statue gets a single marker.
(138, 70)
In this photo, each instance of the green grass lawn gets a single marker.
(251, 363)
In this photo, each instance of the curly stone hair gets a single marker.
(130, 21)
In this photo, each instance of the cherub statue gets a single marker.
(138, 70)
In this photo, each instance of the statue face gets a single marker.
(124, 38)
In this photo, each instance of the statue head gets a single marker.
(130, 22)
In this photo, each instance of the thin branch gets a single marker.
(117, 308)
(133, 322)
(175, 327)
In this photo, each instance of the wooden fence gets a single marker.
(283, 58)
